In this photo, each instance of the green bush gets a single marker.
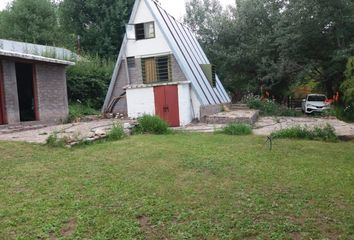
(325, 133)
(270, 108)
(347, 88)
(116, 133)
(88, 80)
(237, 129)
(152, 125)
(54, 141)
(77, 111)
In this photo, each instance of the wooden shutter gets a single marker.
(150, 70)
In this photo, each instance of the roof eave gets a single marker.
(35, 58)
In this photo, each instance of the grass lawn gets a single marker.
(184, 186)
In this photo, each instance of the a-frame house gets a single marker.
(162, 70)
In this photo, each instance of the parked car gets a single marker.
(315, 103)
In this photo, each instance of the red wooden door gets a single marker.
(2, 98)
(166, 104)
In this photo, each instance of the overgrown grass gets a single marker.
(78, 110)
(178, 186)
(325, 133)
(270, 108)
(116, 133)
(237, 129)
(151, 125)
(54, 140)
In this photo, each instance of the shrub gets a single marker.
(152, 125)
(325, 133)
(88, 80)
(116, 133)
(78, 110)
(237, 129)
(54, 141)
(270, 108)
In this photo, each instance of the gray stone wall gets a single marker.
(52, 92)
(177, 73)
(135, 73)
(122, 81)
(210, 110)
(10, 90)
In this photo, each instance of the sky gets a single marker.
(175, 7)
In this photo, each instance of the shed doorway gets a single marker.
(2, 98)
(26, 87)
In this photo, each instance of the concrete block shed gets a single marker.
(162, 70)
(32, 87)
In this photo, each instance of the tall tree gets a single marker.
(277, 43)
(31, 21)
(99, 23)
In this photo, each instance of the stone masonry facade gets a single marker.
(52, 98)
(136, 78)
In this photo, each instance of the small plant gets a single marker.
(55, 141)
(325, 133)
(237, 129)
(151, 124)
(116, 133)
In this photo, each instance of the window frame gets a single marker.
(157, 72)
(144, 24)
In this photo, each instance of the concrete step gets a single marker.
(239, 116)
(238, 106)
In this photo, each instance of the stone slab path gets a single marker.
(267, 125)
(80, 130)
(83, 130)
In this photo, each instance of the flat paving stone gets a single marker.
(237, 116)
(81, 130)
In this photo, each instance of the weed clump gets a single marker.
(325, 133)
(237, 129)
(55, 141)
(116, 133)
(151, 125)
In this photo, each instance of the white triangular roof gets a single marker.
(187, 51)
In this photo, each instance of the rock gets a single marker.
(100, 132)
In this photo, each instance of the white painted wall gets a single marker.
(146, 47)
(196, 104)
(140, 101)
(184, 102)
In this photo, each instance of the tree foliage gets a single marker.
(270, 45)
(88, 81)
(30, 21)
(99, 23)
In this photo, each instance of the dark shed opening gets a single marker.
(26, 91)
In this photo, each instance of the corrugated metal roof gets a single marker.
(34, 57)
(37, 52)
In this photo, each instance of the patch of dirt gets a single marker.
(52, 236)
(295, 236)
(150, 231)
(69, 228)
